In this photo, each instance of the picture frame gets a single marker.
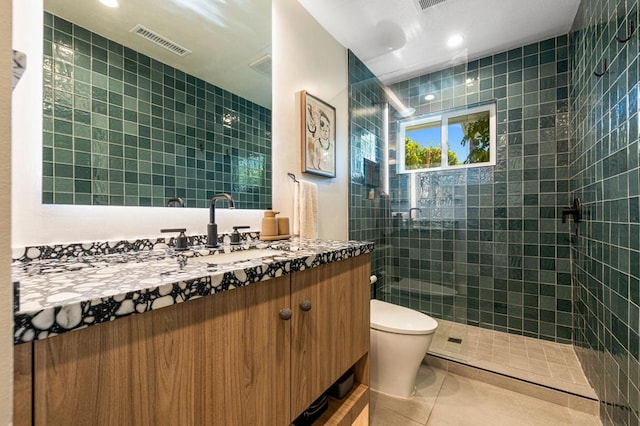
(318, 136)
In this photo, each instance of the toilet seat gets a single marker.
(400, 320)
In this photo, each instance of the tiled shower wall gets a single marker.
(605, 174)
(368, 217)
(123, 129)
(492, 235)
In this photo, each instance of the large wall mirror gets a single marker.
(151, 101)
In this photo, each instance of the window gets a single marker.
(467, 136)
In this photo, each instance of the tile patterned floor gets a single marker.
(447, 399)
(547, 363)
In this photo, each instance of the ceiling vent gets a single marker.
(423, 5)
(262, 64)
(160, 40)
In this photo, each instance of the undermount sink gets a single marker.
(237, 256)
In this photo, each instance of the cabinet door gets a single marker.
(253, 371)
(334, 334)
(22, 384)
(218, 360)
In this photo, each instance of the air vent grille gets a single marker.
(423, 5)
(262, 64)
(160, 40)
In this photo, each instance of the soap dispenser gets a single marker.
(269, 224)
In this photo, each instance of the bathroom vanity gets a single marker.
(240, 342)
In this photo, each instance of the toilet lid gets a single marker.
(398, 319)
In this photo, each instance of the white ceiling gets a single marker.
(397, 41)
(224, 36)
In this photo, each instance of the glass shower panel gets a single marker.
(418, 220)
(427, 268)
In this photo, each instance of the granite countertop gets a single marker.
(59, 295)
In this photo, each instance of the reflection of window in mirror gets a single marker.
(467, 136)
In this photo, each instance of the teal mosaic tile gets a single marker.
(367, 216)
(124, 117)
(603, 172)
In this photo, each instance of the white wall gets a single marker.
(6, 289)
(35, 223)
(306, 57)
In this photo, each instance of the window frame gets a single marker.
(443, 117)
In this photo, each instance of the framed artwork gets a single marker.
(318, 136)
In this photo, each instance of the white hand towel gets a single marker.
(305, 210)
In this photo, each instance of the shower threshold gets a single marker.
(539, 368)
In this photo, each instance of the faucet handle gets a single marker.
(181, 239)
(174, 230)
(235, 236)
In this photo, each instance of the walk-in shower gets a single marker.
(484, 249)
(477, 245)
(473, 246)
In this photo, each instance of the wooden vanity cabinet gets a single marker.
(227, 359)
(221, 360)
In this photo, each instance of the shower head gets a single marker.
(406, 112)
(400, 113)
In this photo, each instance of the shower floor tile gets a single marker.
(546, 363)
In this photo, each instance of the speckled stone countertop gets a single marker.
(57, 295)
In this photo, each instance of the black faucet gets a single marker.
(412, 209)
(173, 202)
(212, 228)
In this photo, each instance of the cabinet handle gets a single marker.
(285, 314)
(305, 305)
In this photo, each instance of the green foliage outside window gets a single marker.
(476, 134)
(419, 157)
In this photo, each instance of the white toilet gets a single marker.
(400, 338)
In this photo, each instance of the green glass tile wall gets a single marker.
(368, 217)
(487, 246)
(123, 129)
(605, 173)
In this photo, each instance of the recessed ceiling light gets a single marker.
(430, 97)
(455, 40)
(110, 3)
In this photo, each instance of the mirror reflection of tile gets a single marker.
(121, 128)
